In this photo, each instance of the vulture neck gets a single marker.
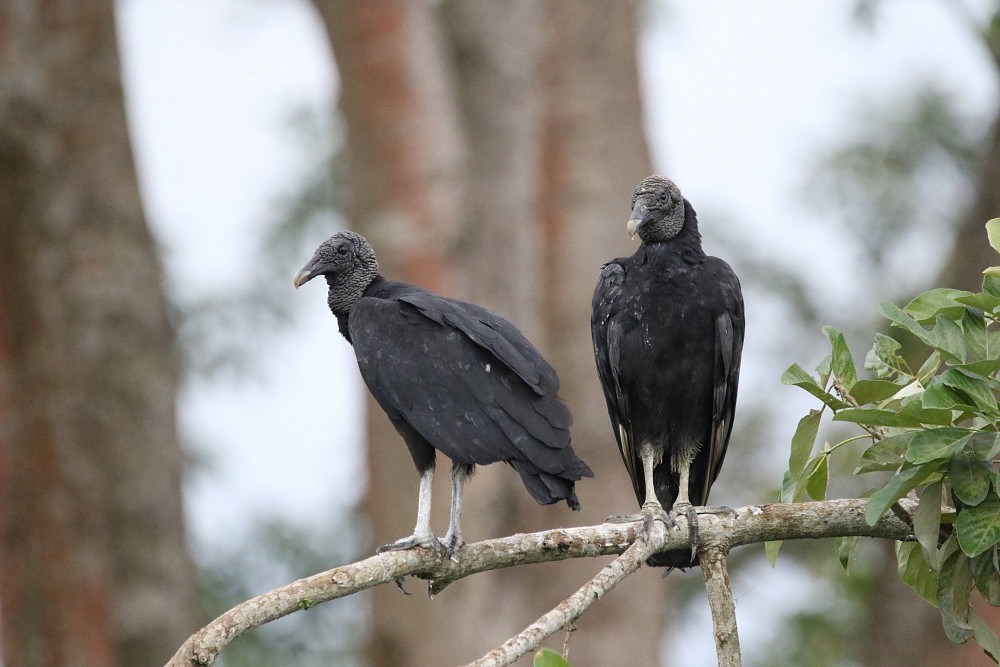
(343, 293)
(687, 243)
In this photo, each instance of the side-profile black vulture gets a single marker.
(667, 325)
(452, 377)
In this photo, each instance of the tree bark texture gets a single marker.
(93, 565)
(492, 150)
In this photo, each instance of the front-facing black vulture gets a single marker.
(452, 377)
(667, 325)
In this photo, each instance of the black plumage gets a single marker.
(667, 325)
(452, 377)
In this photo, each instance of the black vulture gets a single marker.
(452, 377)
(667, 325)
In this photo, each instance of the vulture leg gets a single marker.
(651, 509)
(683, 502)
(422, 535)
(453, 540)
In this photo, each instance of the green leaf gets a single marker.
(841, 362)
(970, 478)
(935, 444)
(975, 387)
(948, 337)
(978, 342)
(803, 441)
(818, 479)
(873, 391)
(942, 397)
(984, 569)
(940, 301)
(807, 473)
(915, 572)
(927, 521)
(983, 367)
(882, 358)
(985, 444)
(847, 547)
(991, 284)
(549, 658)
(875, 417)
(983, 301)
(916, 411)
(978, 527)
(771, 550)
(895, 488)
(929, 368)
(823, 371)
(993, 233)
(954, 585)
(985, 636)
(902, 319)
(885, 454)
(788, 484)
(797, 376)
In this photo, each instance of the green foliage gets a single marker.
(936, 429)
(549, 658)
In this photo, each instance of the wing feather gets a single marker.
(606, 331)
(458, 380)
(728, 335)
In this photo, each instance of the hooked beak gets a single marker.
(308, 272)
(638, 214)
(631, 227)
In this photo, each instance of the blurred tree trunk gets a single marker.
(93, 566)
(403, 148)
(971, 252)
(502, 141)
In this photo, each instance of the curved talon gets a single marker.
(399, 584)
(691, 514)
(652, 512)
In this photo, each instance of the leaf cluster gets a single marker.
(936, 429)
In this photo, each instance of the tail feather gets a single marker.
(544, 487)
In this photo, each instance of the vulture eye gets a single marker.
(663, 197)
(342, 250)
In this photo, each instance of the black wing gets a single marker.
(728, 335)
(606, 330)
(470, 384)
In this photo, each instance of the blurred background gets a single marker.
(180, 429)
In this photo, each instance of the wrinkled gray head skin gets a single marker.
(349, 265)
(657, 210)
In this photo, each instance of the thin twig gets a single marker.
(572, 607)
(570, 629)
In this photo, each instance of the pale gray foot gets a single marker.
(412, 542)
(451, 543)
(691, 514)
(650, 512)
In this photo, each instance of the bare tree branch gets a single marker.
(725, 530)
(573, 607)
(712, 561)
